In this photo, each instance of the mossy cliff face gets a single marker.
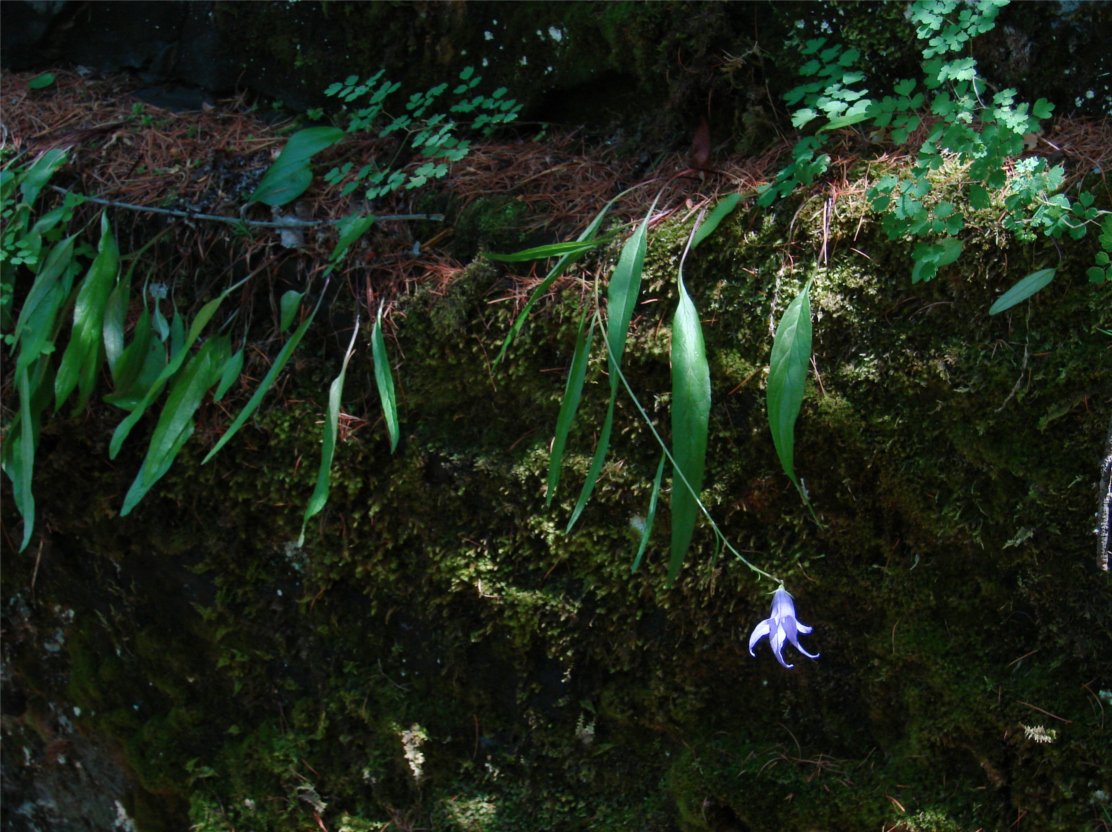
(441, 655)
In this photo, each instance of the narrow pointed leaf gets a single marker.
(177, 357)
(572, 393)
(787, 377)
(1028, 286)
(290, 303)
(553, 250)
(38, 322)
(596, 466)
(328, 440)
(625, 286)
(264, 386)
(561, 265)
(651, 515)
(228, 374)
(115, 316)
(720, 212)
(175, 425)
(384, 380)
(690, 424)
(81, 360)
(148, 476)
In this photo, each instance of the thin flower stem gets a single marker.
(675, 468)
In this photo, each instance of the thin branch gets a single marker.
(291, 223)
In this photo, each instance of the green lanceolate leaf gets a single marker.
(720, 212)
(39, 174)
(291, 302)
(622, 294)
(328, 440)
(787, 378)
(625, 286)
(82, 358)
(554, 250)
(175, 424)
(115, 316)
(177, 356)
(646, 532)
(38, 323)
(562, 264)
(596, 466)
(264, 386)
(351, 229)
(572, 393)
(290, 176)
(228, 374)
(690, 424)
(384, 380)
(1023, 290)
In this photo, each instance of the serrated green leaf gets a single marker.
(570, 403)
(384, 381)
(1022, 290)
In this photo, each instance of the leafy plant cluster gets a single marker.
(433, 136)
(167, 351)
(979, 139)
(979, 136)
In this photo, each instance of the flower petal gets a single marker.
(760, 632)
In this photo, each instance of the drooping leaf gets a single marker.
(228, 374)
(646, 532)
(625, 286)
(690, 424)
(553, 250)
(290, 303)
(38, 324)
(148, 476)
(175, 423)
(82, 358)
(290, 176)
(557, 270)
(719, 213)
(328, 440)
(39, 174)
(351, 229)
(115, 316)
(787, 377)
(279, 364)
(175, 362)
(1022, 290)
(384, 380)
(596, 466)
(572, 393)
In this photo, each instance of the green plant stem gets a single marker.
(236, 221)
